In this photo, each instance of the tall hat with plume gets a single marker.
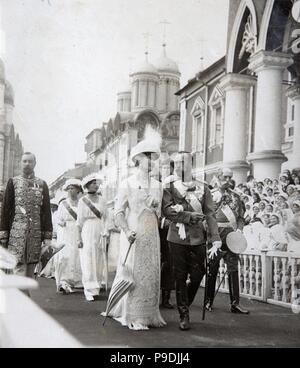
(150, 144)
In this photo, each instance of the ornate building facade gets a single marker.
(244, 111)
(11, 149)
(149, 100)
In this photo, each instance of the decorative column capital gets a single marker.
(293, 92)
(233, 81)
(269, 60)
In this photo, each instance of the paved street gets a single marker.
(266, 326)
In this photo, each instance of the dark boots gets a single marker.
(182, 305)
(211, 287)
(165, 302)
(234, 293)
(184, 322)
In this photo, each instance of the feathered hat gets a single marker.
(150, 144)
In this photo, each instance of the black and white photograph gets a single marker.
(150, 176)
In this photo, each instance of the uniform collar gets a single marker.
(30, 176)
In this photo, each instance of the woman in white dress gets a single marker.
(91, 224)
(67, 268)
(137, 210)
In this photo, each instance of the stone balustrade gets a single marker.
(269, 276)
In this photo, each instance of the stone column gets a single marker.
(267, 157)
(236, 87)
(184, 133)
(294, 94)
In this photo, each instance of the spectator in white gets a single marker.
(269, 209)
(269, 195)
(260, 188)
(266, 219)
(280, 199)
(256, 198)
(292, 193)
(283, 205)
(283, 181)
(255, 214)
(278, 238)
(293, 228)
(262, 207)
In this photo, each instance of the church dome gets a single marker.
(145, 68)
(165, 64)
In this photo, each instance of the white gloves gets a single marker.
(212, 252)
(181, 231)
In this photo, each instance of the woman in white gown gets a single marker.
(137, 209)
(91, 224)
(67, 268)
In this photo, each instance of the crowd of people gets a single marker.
(170, 225)
(272, 211)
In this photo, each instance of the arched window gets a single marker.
(145, 119)
(171, 126)
(198, 113)
(217, 116)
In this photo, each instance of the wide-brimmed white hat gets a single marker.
(91, 177)
(145, 146)
(75, 182)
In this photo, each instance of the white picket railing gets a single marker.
(269, 276)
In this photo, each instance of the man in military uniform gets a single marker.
(230, 212)
(186, 203)
(26, 217)
(167, 282)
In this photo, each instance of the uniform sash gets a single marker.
(189, 196)
(70, 210)
(90, 205)
(192, 200)
(230, 216)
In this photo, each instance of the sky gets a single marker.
(67, 59)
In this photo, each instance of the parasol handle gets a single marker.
(130, 245)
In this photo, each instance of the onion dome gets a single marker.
(145, 67)
(165, 64)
